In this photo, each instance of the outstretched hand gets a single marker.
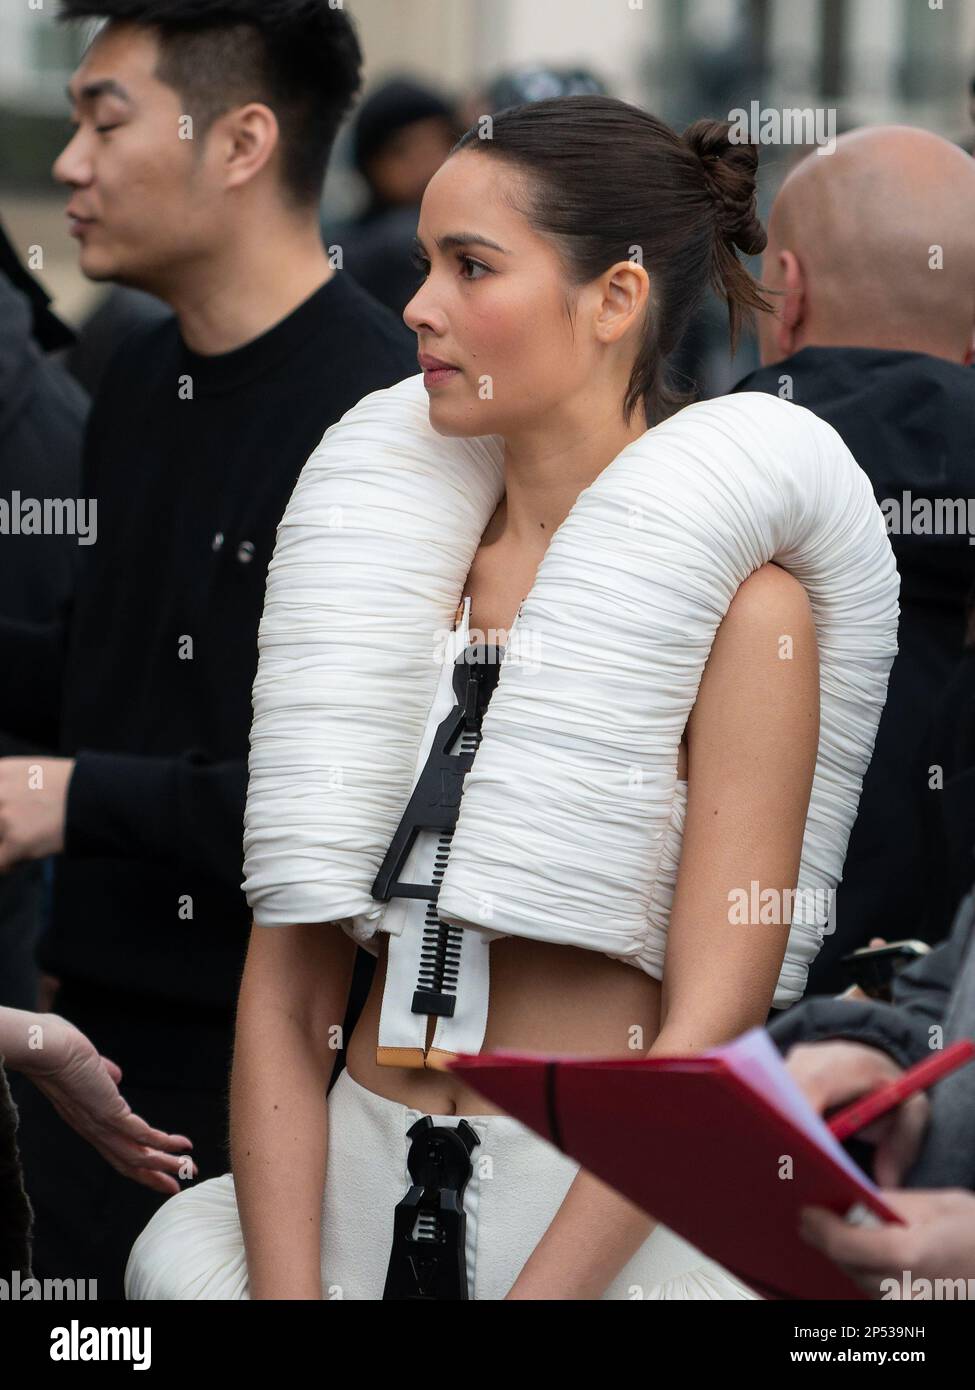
(82, 1086)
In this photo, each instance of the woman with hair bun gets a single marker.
(565, 247)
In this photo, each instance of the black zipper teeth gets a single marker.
(439, 964)
(440, 950)
(443, 958)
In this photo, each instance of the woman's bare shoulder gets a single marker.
(770, 591)
(764, 659)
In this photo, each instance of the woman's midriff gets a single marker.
(544, 998)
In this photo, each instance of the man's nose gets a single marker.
(73, 164)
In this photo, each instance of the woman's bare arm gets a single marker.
(290, 1011)
(752, 741)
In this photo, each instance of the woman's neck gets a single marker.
(545, 470)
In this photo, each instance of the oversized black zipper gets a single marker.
(442, 944)
(434, 805)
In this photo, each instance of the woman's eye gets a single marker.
(472, 265)
(470, 269)
(103, 129)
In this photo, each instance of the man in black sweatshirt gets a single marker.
(203, 133)
(872, 250)
(42, 420)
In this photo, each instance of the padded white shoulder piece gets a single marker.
(567, 805)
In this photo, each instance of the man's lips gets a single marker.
(77, 223)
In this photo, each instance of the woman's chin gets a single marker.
(457, 422)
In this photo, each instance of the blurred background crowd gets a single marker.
(433, 66)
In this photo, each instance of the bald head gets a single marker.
(874, 246)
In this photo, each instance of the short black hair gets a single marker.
(300, 57)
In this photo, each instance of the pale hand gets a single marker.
(938, 1241)
(83, 1088)
(33, 798)
(837, 1072)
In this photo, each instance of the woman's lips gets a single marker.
(433, 376)
(435, 369)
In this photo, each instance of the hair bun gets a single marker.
(730, 170)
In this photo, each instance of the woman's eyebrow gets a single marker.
(452, 240)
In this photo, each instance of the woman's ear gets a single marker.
(624, 292)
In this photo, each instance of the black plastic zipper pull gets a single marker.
(471, 696)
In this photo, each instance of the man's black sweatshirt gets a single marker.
(192, 460)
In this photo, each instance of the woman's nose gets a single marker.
(422, 313)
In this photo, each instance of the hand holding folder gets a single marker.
(721, 1146)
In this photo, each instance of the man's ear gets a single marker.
(249, 135)
(792, 313)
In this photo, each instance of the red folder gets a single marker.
(721, 1146)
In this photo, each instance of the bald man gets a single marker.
(871, 253)
(873, 246)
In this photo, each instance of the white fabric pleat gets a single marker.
(571, 800)
(362, 589)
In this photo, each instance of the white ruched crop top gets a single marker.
(570, 823)
(449, 965)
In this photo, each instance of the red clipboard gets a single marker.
(722, 1147)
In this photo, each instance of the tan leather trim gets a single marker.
(437, 1058)
(400, 1057)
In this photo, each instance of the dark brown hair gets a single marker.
(606, 180)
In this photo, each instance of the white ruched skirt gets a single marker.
(193, 1247)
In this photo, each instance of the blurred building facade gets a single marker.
(876, 59)
(869, 61)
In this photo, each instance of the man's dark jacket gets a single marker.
(933, 1006)
(909, 421)
(42, 417)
